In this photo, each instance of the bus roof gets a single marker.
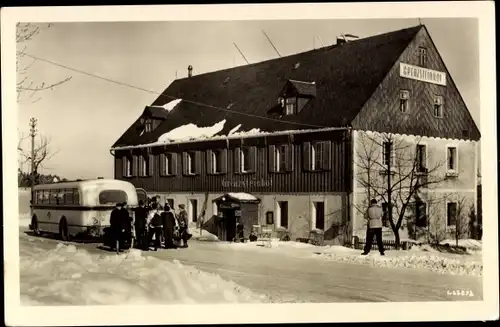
(80, 184)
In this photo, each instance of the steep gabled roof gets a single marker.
(345, 76)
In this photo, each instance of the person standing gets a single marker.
(169, 224)
(141, 215)
(155, 227)
(126, 222)
(115, 226)
(374, 215)
(183, 225)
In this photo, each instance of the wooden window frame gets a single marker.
(453, 171)
(404, 101)
(291, 102)
(421, 167)
(438, 106)
(422, 56)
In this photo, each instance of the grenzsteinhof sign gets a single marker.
(422, 74)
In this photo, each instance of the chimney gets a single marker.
(340, 40)
(190, 71)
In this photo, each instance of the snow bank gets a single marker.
(466, 243)
(70, 276)
(190, 132)
(234, 130)
(170, 105)
(415, 258)
(203, 235)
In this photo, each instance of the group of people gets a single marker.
(151, 221)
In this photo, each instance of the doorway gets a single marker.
(193, 210)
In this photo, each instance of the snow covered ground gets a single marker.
(65, 275)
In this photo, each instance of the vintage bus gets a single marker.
(78, 208)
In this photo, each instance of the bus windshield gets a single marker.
(112, 197)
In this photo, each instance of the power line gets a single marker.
(162, 94)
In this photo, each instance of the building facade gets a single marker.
(318, 134)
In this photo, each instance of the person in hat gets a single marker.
(169, 225)
(141, 215)
(183, 225)
(115, 225)
(374, 215)
(155, 227)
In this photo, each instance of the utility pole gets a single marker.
(389, 193)
(33, 131)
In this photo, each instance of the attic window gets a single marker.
(149, 125)
(438, 106)
(404, 96)
(422, 53)
(291, 106)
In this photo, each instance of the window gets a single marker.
(420, 214)
(190, 162)
(317, 155)
(291, 106)
(452, 159)
(76, 196)
(53, 199)
(438, 106)
(283, 213)
(127, 166)
(149, 125)
(451, 213)
(421, 158)
(281, 157)
(143, 165)
(319, 215)
(245, 159)
(404, 96)
(171, 203)
(112, 197)
(217, 161)
(422, 56)
(168, 164)
(193, 210)
(387, 156)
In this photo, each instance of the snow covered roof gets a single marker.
(239, 197)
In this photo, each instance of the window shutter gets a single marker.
(272, 158)
(124, 166)
(237, 160)
(210, 163)
(306, 153)
(253, 157)
(197, 162)
(162, 164)
(185, 169)
(224, 161)
(173, 158)
(151, 165)
(135, 164)
(289, 157)
(326, 149)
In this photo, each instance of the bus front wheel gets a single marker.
(63, 230)
(34, 225)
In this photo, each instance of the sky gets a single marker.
(85, 116)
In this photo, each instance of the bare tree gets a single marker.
(462, 220)
(41, 154)
(392, 169)
(436, 223)
(25, 32)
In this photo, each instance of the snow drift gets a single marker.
(70, 276)
(190, 132)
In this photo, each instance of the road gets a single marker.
(302, 278)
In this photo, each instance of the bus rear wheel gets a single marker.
(34, 225)
(63, 230)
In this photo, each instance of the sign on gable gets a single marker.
(422, 74)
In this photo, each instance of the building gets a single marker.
(288, 131)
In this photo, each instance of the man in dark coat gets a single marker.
(169, 224)
(183, 225)
(141, 215)
(155, 227)
(126, 222)
(374, 216)
(115, 227)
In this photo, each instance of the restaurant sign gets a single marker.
(422, 74)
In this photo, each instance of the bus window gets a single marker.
(68, 196)
(39, 197)
(46, 195)
(76, 196)
(111, 197)
(59, 195)
(52, 196)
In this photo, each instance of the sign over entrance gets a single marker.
(422, 74)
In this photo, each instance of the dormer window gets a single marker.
(291, 106)
(149, 125)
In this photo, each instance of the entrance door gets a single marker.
(230, 222)
(193, 208)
